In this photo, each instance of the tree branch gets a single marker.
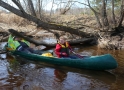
(47, 44)
(40, 23)
(19, 6)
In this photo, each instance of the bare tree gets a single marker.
(26, 6)
(96, 15)
(19, 5)
(101, 18)
(113, 14)
(104, 14)
(121, 14)
(31, 7)
(41, 23)
(67, 7)
(39, 8)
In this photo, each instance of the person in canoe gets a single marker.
(63, 48)
(19, 44)
(24, 45)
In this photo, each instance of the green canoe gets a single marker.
(102, 62)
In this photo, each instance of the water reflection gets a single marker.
(3, 74)
(8, 80)
(118, 85)
(60, 75)
(63, 78)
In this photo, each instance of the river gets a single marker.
(38, 76)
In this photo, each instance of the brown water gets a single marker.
(32, 76)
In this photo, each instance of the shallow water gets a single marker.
(39, 76)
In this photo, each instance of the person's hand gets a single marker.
(65, 54)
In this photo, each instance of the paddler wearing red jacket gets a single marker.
(62, 48)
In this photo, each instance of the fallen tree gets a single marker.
(103, 20)
(72, 42)
(40, 23)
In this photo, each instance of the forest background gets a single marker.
(99, 19)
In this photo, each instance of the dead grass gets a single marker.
(74, 19)
(10, 18)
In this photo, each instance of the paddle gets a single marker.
(80, 56)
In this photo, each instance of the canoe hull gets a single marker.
(103, 62)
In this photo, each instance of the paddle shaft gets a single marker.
(78, 55)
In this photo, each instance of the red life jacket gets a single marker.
(64, 48)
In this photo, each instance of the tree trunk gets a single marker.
(39, 8)
(42, 24)
(52, 7)
(19, 6)
(67, 8)
(97, 17)
(74, 42)
(31, 8)
(113, 14)
(121, 14)
(104, 15)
